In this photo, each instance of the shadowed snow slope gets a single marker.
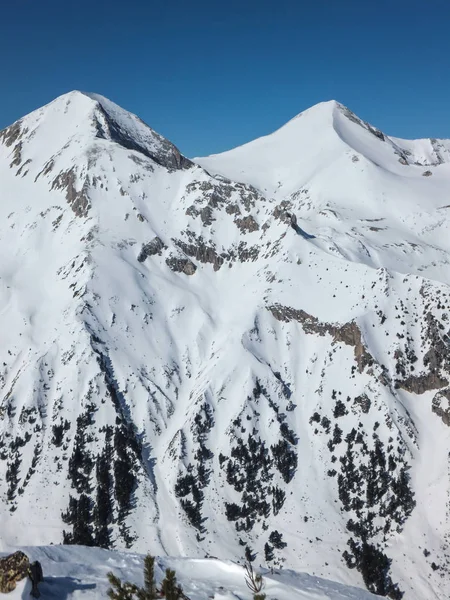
(248, 354)
(80, 572)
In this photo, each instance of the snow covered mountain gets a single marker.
(242, 354)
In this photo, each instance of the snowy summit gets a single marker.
(246, 353)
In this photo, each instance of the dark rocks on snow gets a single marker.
(441, 405)
(181, 265)
(377, 133)
(233, 209)
(206, 215)
(419, 384)
(160, 150)
(281, 211)
(348, 334)
(78, 200)
(247, 224)
(363, 402)
(11, 135)
(156, 246)
(201, 251)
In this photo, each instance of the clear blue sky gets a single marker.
(211, 75)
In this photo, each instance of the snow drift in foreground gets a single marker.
(79, 572)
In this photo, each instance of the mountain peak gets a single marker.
(75, 121)
(193, 365)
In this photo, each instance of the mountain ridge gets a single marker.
(195, 365)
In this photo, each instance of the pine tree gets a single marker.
(268, 552)
(255, 582)
(128, 591)
(149, 591)
(119, 590)
(169, 588)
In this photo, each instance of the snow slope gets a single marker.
(244, 353)
(79, 572)
(379, 200)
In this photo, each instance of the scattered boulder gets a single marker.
(427, 174)
(13, 568)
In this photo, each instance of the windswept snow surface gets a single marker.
(80, 572)
(244, 353)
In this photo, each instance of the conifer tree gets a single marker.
(255, 582)
(119, 590)
(169, 588)
(149, 591)
(129, 591)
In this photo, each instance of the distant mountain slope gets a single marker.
(250, 356)
(378, 200)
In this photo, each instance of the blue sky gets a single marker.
(213, 75)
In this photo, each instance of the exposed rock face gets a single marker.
(11, 134)
(206, 215)
(181, 265)
(363, 402)
(348, 334)
(247, 224)
(419, 384)
(78, 199)
(156, 246)
(165, 153)
(282, 211)
(441, 405)
(438, 356)
(13, 569)
(201, 251)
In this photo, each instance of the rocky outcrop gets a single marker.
(247, 224)
(78, 200)
(282, 211)
(352, 117)
(348, 334)
(155, 147)
(362, 403)
(156, 246)
(436, 360)
(13, 569)
(441, 405)
(201, 251)
(419, 384)
(12, 134)
(181, 265)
